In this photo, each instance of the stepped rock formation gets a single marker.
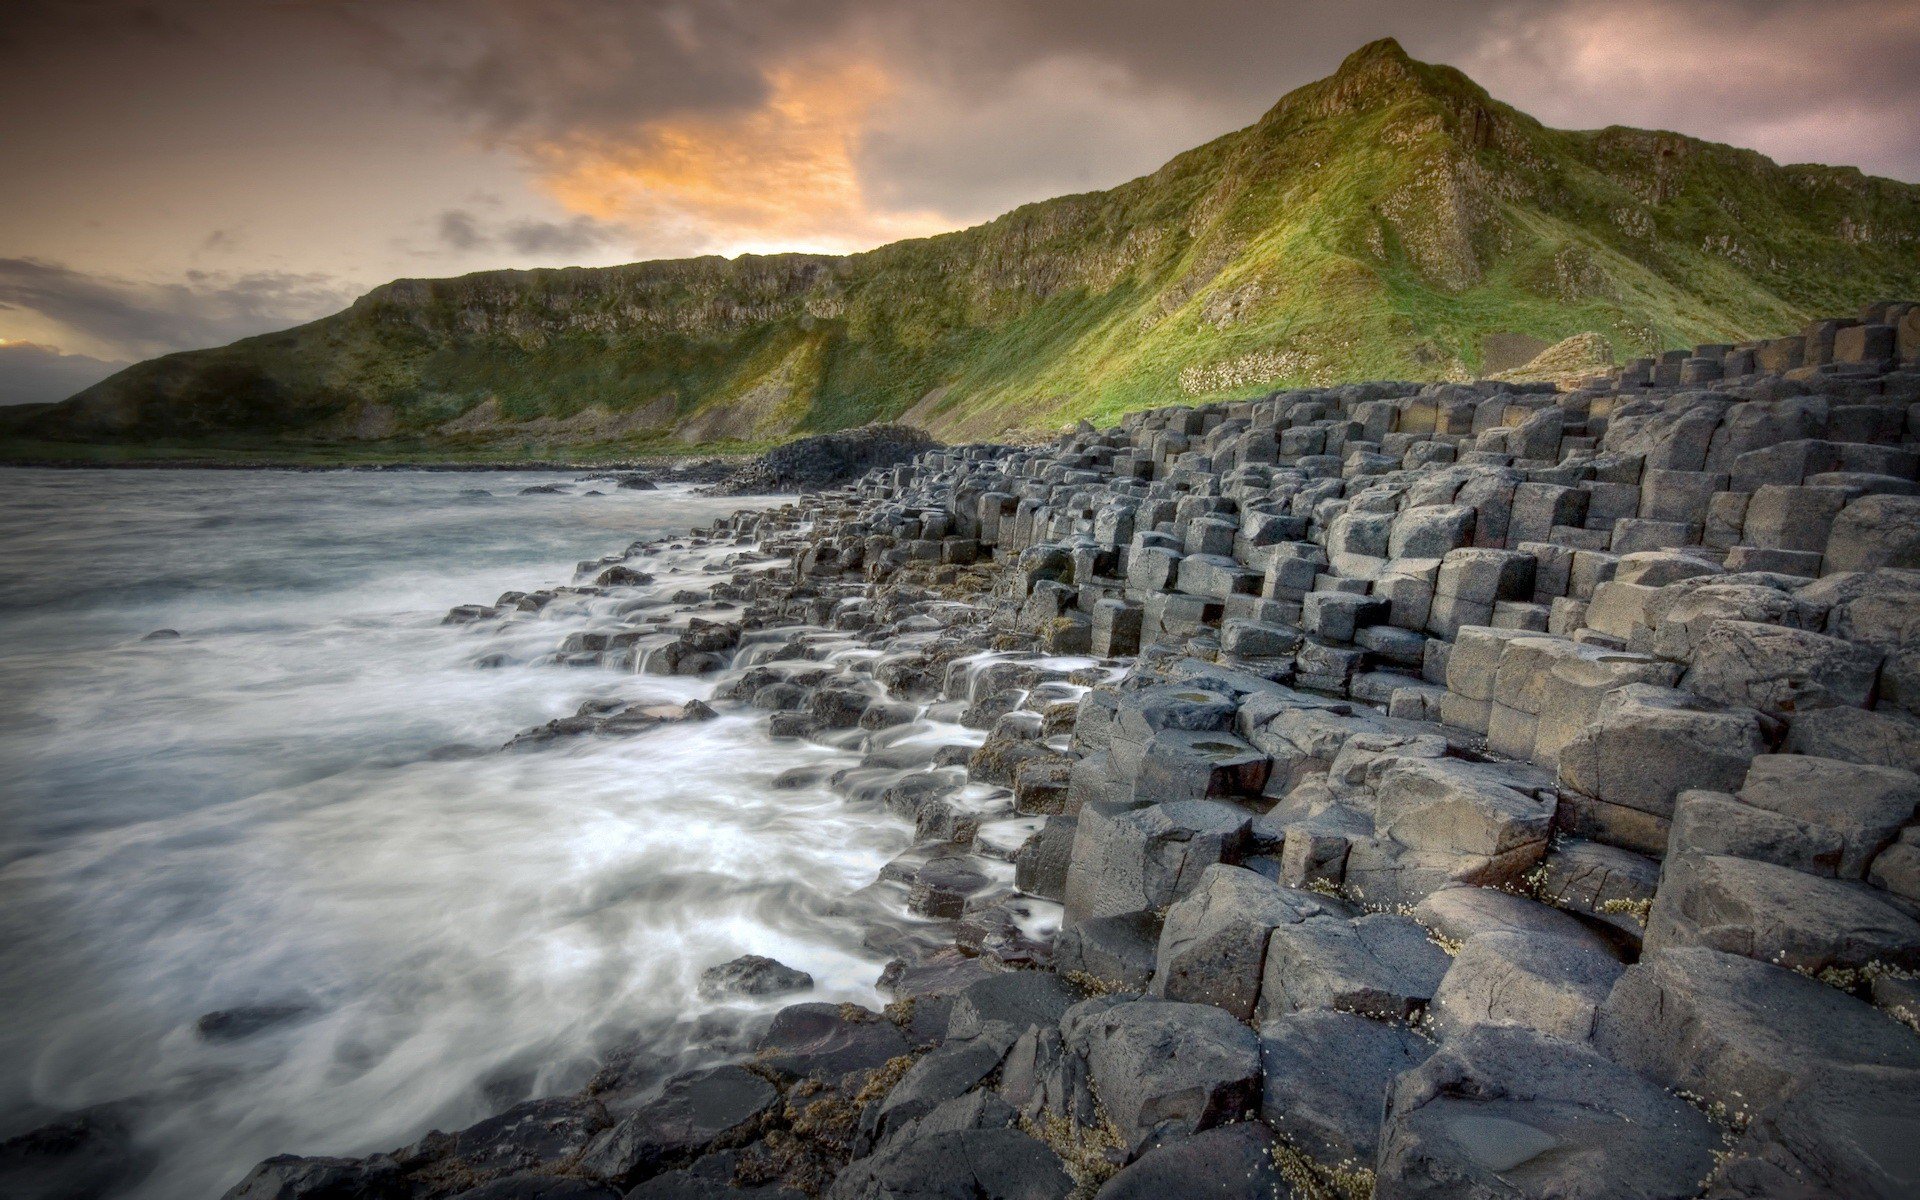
(1390, 221)
(1441, 790)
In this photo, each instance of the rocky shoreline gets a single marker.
(1386, 789)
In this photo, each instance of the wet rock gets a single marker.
(235, 1024)
(704, 1109)
(827, 1041)
(1017, 1000)
(79, 1156)
(752, 975)
(290, 1177)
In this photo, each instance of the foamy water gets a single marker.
(253, 814)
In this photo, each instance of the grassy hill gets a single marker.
(1389, 221)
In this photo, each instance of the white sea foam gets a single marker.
(249, 815)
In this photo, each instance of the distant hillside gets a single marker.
(1389, 221)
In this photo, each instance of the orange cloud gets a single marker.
(781, 176)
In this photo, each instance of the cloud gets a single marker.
(459, 230)
(779, 175)
(1830, 81)
(137, 320)
(33, 374)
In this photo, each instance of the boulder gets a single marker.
(1231, 1162)
(1875, 531)
(1510, 1112)
(1117, 952)
(960, 1165)
(1778, 915)
(1647, 744)
(1133, 859)
(1776, 669)
(1018, 999)
(827, 1041)
(1536, 981)
(1164, 1070)
(1737, 1031)
(1381, 965)
(1324, 1075)
(1213, 946)
(1863, 806)
(753, 975)
(1849, 1132)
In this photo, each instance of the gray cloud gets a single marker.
(35, 374)
(459, 230)
(142, 319)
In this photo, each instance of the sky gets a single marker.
(181, 174)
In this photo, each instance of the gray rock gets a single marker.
(1213, 946)
(695, 1112)
(1325, 1077)
(1715, 823)
(1875, 531)
(1887, 739)
(1739, 1032)
(1777, 669)
(1380, 965)
(1536, 981)
(1648, 744)
(1778, 915)
(1132, 859)
(1017, 999)
(962, 1165)
(1232, 1162)
(1865, 806)
(1118, 951)
(753, 975)
(1849, 1132)
(947, 1072)
(1509, 1112)
(1461, 913)
(1163, 1070)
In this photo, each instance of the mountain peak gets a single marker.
(1380, 50)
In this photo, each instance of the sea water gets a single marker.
(296, 809)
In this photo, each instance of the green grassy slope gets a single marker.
(1384, 222)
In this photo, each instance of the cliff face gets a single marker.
(1392, 220)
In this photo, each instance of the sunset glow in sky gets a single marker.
(184, 172)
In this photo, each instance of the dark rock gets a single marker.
(1509, 1112)
(752, 975)
(828, 1040)
(233, 1024)
(1165, 1071)
(695, 1112)
(1233, 1162)
(1324, 1075)
(82, 1155)
(973, 1164)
